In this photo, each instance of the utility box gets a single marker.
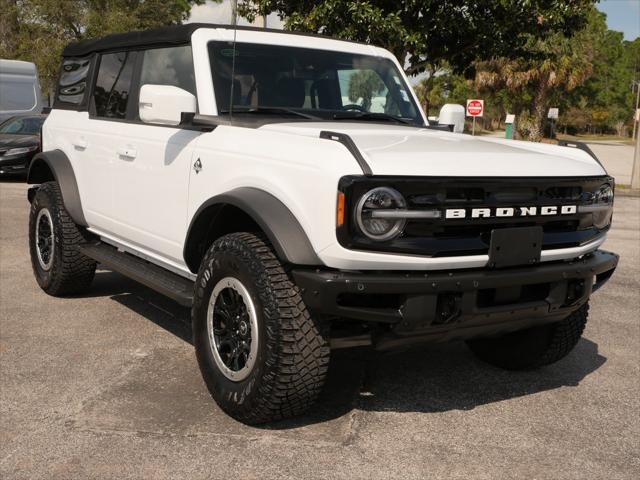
(510, 125)
(452, 114)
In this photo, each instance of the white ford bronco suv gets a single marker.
(289, 189)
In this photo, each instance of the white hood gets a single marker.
(399, 150)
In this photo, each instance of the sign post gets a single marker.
(475, 108)
(553, 114)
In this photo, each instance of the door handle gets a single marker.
(80, 143)
(127, 152)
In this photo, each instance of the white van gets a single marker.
(19, 88)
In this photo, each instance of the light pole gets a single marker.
(635, 172)
(636, 87)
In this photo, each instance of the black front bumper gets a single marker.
(433, 306)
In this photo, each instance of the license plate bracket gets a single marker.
(512, 247)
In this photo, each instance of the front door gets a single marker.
(152, 163)
(151, 187)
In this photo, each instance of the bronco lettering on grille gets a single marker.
(496, 212)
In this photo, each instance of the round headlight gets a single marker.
(378, 200)
(604, 195)
(602, 206)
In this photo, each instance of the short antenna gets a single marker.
(233, 60)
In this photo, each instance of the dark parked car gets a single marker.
(19, 142)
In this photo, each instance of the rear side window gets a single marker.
(169, 66)
(72, 84)
(113, 84)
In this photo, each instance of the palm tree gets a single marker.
(555, 64)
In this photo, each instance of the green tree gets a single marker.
(444, 87)
(616, 65)
(8, 25)
(425, 33)
(38, 30)
(588, 75)
(552, 66)
(365, 84)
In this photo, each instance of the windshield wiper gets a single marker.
(271, 110)
(369, 116)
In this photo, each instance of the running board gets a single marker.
(157, 278)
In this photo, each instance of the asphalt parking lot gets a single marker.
(106, 386)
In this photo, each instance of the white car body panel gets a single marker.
(70, 132)
(400, 150)
(302, 172)
(139, 189)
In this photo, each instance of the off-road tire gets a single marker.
(293, 349)
(70, 272)
(534, 347)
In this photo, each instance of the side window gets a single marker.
(169, 66)
(72, 84)
(113, 84)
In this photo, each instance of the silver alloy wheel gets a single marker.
(232, 326)
(45, 240)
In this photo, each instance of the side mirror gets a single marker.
(164, 104)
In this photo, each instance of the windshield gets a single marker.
(22, 125)
(319, 83)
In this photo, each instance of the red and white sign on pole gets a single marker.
(475, 108)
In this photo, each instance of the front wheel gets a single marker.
(534, 347)
(261, 354)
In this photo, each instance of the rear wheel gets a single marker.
(262, 356)
(534, 347)
(54, 240)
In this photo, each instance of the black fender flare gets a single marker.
(274, 218)
(58, 164)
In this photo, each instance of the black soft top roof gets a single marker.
(173, 35)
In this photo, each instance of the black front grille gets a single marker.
(472, 236)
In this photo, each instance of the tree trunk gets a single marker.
(539, 110)
(9, 27)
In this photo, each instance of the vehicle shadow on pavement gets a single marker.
(153, 306)
(434, 378)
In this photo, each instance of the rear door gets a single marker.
(97, 140)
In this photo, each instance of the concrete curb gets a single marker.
(627, 192)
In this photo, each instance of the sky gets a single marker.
(622, 15)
